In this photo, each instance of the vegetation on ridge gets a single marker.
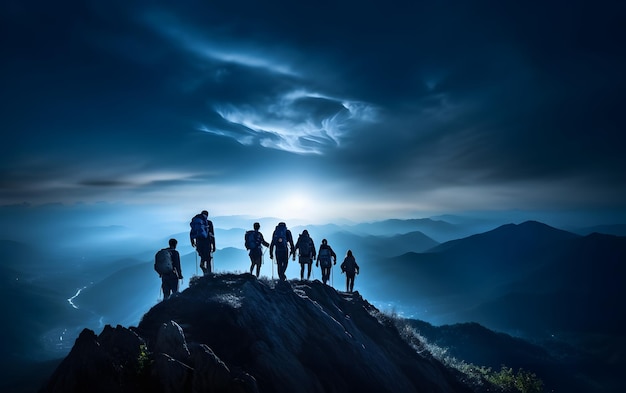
(479, 378)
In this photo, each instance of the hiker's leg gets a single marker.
(167, 291)
(204, 249)
(174, 284)
(203, 260)
(301, 271)
(282, 258)
(203, 263)
(164, 288)
(280, 265)
(200, 255)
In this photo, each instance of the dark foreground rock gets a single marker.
(234, 333)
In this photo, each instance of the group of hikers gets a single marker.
(202, 237)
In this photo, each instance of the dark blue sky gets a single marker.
(318, 110)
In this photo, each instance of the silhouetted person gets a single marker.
(325, 258)
(282, 241)
(306, 249)
(202, 238)
(167, 264)
(350, 267)
(254, 240)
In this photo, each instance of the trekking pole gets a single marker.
(196, 262)
(263, 256)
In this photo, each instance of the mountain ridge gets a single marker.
(276, 337)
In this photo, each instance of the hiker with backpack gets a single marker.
(253, 242)
(282, 241)
(167, 265)
(202, 238)
(350, 267)
(325, 257)
(306, 249)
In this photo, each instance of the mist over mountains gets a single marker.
(530, 280)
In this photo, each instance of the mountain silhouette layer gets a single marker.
(529, 279)
(236, 333)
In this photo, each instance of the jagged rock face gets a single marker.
(234, 333)
(298, 337)
(105, 363)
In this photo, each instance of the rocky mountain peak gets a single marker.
(236, 333)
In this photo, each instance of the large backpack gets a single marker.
(252, 240)
(324, 257)
(199, 227)
(279, 238)
(304, 245)
(163, 262)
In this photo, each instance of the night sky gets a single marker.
(319, 110)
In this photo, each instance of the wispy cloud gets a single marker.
(216, 46)
(287, 115)
(297, 122)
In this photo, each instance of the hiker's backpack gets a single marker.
(324, 257)
(163, 262)
(279, 237)
(304, 245)
(252, 241)
(199, 227)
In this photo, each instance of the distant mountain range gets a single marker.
(563, 366)
(529, 280)
(617, 230)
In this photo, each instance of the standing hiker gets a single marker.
(253, 242)
(202, 237)
(325, 257)
(306, 253)
(167, 264)
(350, 267)
(282, 241)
